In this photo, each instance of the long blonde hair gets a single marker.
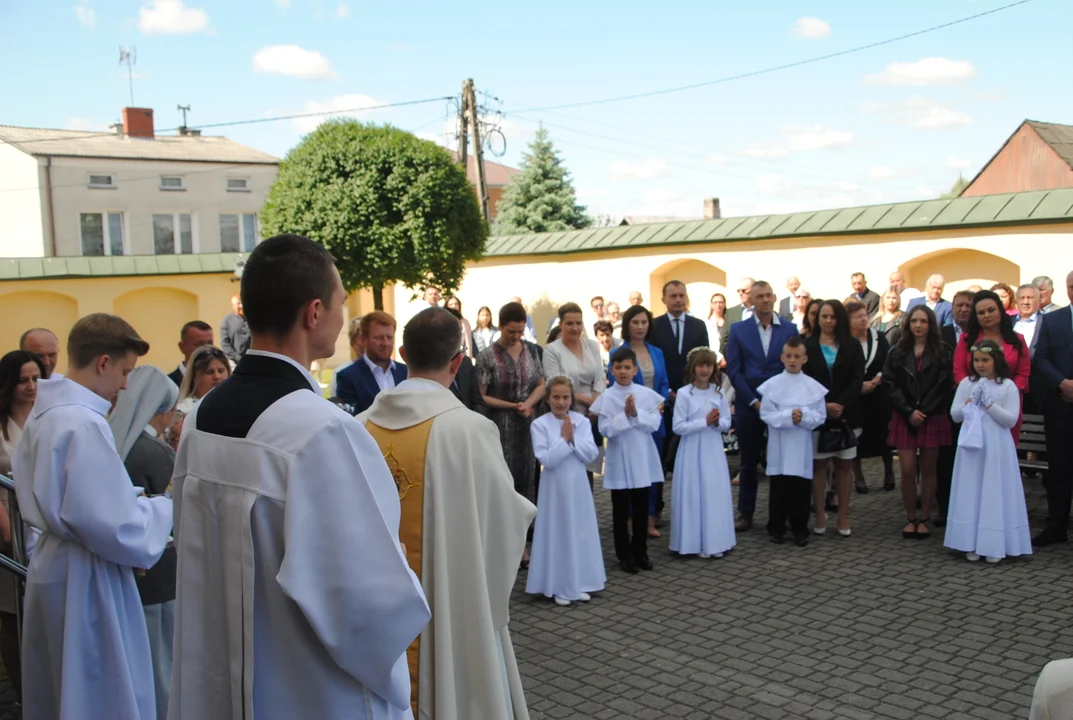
(199, 363)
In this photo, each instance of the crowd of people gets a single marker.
(179, 505)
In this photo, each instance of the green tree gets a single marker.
(956, 190)
(542, 197)
(392, 208)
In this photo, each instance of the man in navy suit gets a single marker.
(1053, 365)
(753, 356)
(933, 298)
(374, 371)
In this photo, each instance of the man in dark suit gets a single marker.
(786, 305)
(737, 313)
(753, 357)
(1053, 365)
(375, 371)
(951, 334)
(234, 332)
(933, 298)
(193, 335)
(675, 333)
(464, 386)
(869, 298)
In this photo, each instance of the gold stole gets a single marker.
(404, 451)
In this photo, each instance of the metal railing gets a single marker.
(16, 562)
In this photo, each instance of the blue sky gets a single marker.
(892, 123)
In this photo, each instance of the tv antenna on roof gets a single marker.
(129, 57)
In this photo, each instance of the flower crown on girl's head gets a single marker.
(694, 351)
(982, 348)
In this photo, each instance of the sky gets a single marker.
(896, 122)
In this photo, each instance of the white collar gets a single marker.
(774, 319)
(308, 375)
(182, 369)
(1030, 319)
(419, 384)
(374, 367)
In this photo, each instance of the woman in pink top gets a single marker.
(989, 321)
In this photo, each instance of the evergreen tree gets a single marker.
(956, 190)
(541, 198)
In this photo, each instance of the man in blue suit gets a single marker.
(1053, 382)
(933, 298)
(374, 371)
(753, 356)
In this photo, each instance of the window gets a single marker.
(172, 182)
(238, 233)
(102, 233)
(238, 184)
(102, 181)
(173, 234)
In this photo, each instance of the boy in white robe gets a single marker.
(792, 405)
(628, 415)
(85, 647)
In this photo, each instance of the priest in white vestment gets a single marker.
(85, 647)
(463, 526)
(294, 598)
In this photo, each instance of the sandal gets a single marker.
(861, 485)
(923, 524)
(910, 534)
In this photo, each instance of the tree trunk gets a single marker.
(378, 296)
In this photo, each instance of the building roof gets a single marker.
(1059, 137)
(67, 267)
(1022, 208)
(181, 148)
(495, 175)
(648, 219)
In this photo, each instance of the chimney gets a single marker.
(711, 209)
(138, 122)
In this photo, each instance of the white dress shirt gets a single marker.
(765, 332)
(385, 379)
(678, 327)
(1027, 327)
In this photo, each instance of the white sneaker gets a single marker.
(561, 602)
(972, 557)
(993, 560)
(718, 555)
(819, 530)
(704, 556)
(584, 597)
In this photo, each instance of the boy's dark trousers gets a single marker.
(789, 500)
(624, 504)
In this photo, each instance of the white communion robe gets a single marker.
(294, 598)
(629, 463)
(472, 529)
(987, 513)
(85, 647)
(702, 505)
(790, 446)
(566, 559)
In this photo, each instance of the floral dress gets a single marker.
(512, 381)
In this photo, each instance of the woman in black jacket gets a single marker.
(919, 376)
(875, 405)
(836, 360)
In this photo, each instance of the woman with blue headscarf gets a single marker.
(143, 411)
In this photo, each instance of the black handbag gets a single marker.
(836, 436)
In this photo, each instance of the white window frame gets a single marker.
(177, 242)
(171, 188)
(241, 230)
(107, 233)
(99, 186)
(244, 189)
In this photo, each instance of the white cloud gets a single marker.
(76, 123)
(171, 17)
(881, 172)
(292, 61)
(772, 184)
(718, 159)
(351, 105)
(797, 139)
(811, 28)
(921, 113)
(86, 16)
(955, 163)
(643, 170)
(926, 71)
(342, 10)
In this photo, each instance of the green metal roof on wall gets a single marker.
(120, 266)
(964, 212)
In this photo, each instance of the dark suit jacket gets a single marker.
(465, 387)
(950, 338)
(944, 311)
(871, 299)
(176, 377)
(747, 364)
(696, 335)
(843, 381)
(928, 390)
(1053, 361)
(357, 387)
(786, 308)
(234, 337)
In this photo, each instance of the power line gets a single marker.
(777, 68)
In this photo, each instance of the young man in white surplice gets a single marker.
(567, 562)
(702, 506)
(792, 405)
(628, 415)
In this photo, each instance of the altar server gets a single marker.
(988, 516)
(85, 648)
(702, 506)
(628, 415)
(294, 597)
(792, 405)
(567, 562)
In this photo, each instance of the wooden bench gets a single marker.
(1033, 440)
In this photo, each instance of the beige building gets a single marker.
(66, 193)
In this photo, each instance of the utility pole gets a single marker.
(469, 102)
(462, 133)
(183, 109)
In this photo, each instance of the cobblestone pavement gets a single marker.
(870, 626)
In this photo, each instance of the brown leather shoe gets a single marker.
(745, 522)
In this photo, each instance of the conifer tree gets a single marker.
(542, 197)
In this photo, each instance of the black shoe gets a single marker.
(777, 539)
(1046, 538)
(801, 540)
(644, 563)
(862, 487)
(888, 482)
(744, 523)
(628, 566)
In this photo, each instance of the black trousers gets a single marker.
(626, 504)
(788, 499)
(1058, 425)
(945, 470)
